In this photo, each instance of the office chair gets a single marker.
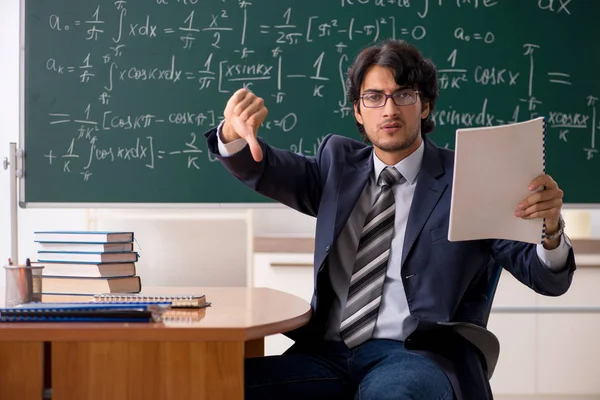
(485, 341)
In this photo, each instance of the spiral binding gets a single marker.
(176, 301)
(544, 169)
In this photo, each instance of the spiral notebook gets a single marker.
(493, 167)
(179, 301)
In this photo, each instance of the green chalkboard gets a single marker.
(117, 94)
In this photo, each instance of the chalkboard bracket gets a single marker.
(20, 176)
(11, 164)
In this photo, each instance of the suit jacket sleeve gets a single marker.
(289, 178)
(522, 261)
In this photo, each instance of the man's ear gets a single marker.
(425, 109)
(357, 115)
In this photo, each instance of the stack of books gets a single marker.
(81, 264)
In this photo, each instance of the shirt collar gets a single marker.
(408, 167)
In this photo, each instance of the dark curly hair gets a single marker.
(410, 69)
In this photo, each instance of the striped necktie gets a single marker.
(366, 284)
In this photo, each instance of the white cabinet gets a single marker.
(568, 345)
(184, 247)
(515, 371)
(288, 272)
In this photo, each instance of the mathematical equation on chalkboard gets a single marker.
(223, 45)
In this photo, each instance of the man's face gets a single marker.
(395, 131)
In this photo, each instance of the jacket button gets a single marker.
(327, 248)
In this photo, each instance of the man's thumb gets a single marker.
(255, 148)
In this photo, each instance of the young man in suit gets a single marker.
(386, 277)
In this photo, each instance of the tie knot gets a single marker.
(389, 176)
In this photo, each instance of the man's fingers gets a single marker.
(243, 105)
(539, 197)
(255, 148)
(543, 181)
(547, 213)
(543, 206)
(252, 108)
(545, 202)
(546, 209)
(234, 100)
(258, 117)
(239, 94)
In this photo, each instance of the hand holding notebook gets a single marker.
(493, 169)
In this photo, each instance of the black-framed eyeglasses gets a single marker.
(404, 97)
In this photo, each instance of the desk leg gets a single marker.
(255, 348)
(147, 370)
(21, 370)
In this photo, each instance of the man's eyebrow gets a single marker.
(371, 90)
(374, 91)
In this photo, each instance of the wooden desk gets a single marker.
(194, 360)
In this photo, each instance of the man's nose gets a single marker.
(390, 108)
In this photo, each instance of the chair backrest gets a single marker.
(495, 272)
(483, 340)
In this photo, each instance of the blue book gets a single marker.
(81, 312)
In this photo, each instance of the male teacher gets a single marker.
(385, 273)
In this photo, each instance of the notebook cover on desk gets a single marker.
(77, 312)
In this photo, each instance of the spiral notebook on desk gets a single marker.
(493, 167)
(176, 301)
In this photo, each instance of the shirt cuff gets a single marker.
(555, 259)
(228, 149)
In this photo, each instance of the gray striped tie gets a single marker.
(366, 284)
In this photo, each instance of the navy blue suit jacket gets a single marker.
(448, 280)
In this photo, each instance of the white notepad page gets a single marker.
(493, 167)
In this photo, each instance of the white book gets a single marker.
(82, 236)
(85, 247)
(493, 167)
(81, 257)
(90, 286)
(91, 270)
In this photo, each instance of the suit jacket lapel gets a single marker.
(427, 194)
(355, 176)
